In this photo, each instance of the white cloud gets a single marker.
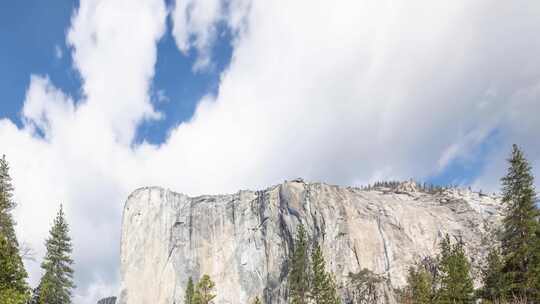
(58, 52)
(345, 92)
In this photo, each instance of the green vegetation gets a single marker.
(57, 281)
(308, 280)
(13, 286)
(511, 273)
(299, 279)
(520, 231)
(456, 285)
(204, 291)
(419, 286)
(323, 288)
(190, 291)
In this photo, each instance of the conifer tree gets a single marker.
(520, 225)
(188, 297)
(57, 281)
(323, 289)
(203, 293)
(456, 285)
(299, 274)
(419, 286)
(13, 286)
(493, 288)
(35, 295)
(535, 273)
(366, 283)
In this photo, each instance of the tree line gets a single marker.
(510, 274)
(56, 284)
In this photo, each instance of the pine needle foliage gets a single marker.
(298, 280)
(204, 291)
(323, 289)
(419, 286)
(13, 286)
(493, 281)
(456, 284)
(190, 291)
(56, 285)
(520, 231)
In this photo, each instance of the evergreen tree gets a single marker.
(419, 286)
(257, 301)
(188, 297)
(366, 284)
(492, 278)
(57, 281)
(35, 295)
(456, 285)
(535, 273)
(520, 225)
(13, 286)
(299, 274)
(323, 289)
(203, 292)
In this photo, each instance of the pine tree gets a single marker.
(535, 272)
(493, 288)
(203, 293)
(366, 286)
(57, 281)
(13, 286)
(299, 274)
(520, 225)
(323, 289)
(35, 295)
(188, 298)
(419, 286)
(456, 285)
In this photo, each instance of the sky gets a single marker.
(101, 97)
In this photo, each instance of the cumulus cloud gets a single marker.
(345, 92)
(196, 25)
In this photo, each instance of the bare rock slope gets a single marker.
(243, 240)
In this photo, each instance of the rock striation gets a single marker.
(242, 240)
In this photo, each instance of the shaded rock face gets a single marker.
(243, 240)
(109, 300)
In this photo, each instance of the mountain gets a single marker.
(243, 240)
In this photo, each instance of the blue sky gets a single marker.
(35, 43)
(212, 96)
(33, 35)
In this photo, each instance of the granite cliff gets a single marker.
(242, 240)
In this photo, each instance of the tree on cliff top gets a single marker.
(57, 282)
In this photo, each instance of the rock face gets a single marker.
(243, 240)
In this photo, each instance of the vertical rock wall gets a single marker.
(243, 240)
